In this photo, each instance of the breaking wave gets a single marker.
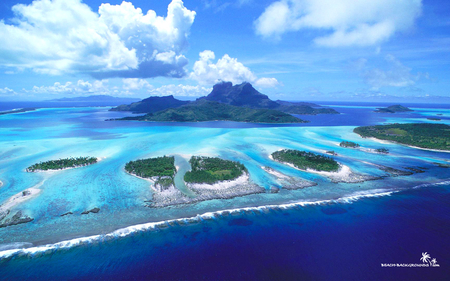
(27, 249)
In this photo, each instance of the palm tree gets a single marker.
(433, 262)
(425, 257)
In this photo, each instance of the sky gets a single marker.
(311, 50)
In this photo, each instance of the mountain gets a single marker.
(96, 98)
(240, 95)
(393, 109)
(205, 110)
(151, 104)
(245, 95)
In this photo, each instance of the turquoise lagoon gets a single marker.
(52, 133)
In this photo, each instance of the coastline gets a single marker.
(344, 174)
(130, 230)
(221, 190)
(19, 198)
(62, 169)
(411, 146)
(288, 182)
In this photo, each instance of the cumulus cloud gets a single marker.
(344, 22)
(206, 72)
(6, 92)
(66, 36)
(131, 84)
(181, 90)
(81, 87)
(395, 74)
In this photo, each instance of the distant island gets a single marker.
(151, 105)
(393, 109)
(203, 110)
(160, 169)
(348, 144)
(306, 160)
(211, 170)
(434, 119)
(62, 164)
(96, 98)
(17, 111)
(423, 135)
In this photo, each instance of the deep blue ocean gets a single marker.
(326, 242)
(335, 240)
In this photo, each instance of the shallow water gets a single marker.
(27, 138)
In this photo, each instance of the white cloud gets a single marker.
(66, 36)
(81, 87)
(5, 92)
(181, 90)
(225, 69)
(345, 22)
(396, 74)
(135, 84)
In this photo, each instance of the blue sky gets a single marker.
(349, 50)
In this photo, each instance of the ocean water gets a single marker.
(329, 231)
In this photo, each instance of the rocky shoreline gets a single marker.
(222, 190)
(288, 182)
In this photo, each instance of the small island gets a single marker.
(348, 144)
(422, 135)
(393, 109)
(61, 164)
(306, 160)
(211, 170)
(434, 119)
(382, 150)
(22, 110)
(161, 170)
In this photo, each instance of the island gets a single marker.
(320, 164)
(21, 110)
(151, 104)
(421, 135)
(382, 150)
(304, 160)
(60, 164)
(204, 110)
(434, 119)
(160, 170)
(349, 144)
(242, 96)
(212, 170)
(207, 178)
(393, 109)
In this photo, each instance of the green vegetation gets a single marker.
(424, 135)
(161, 167)
(392, 109)
(348, 144)
(212, 169)
(305, 109)
(203, 110)
(151, 104)
(382, 150)
(62, 163)
(306, 160)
